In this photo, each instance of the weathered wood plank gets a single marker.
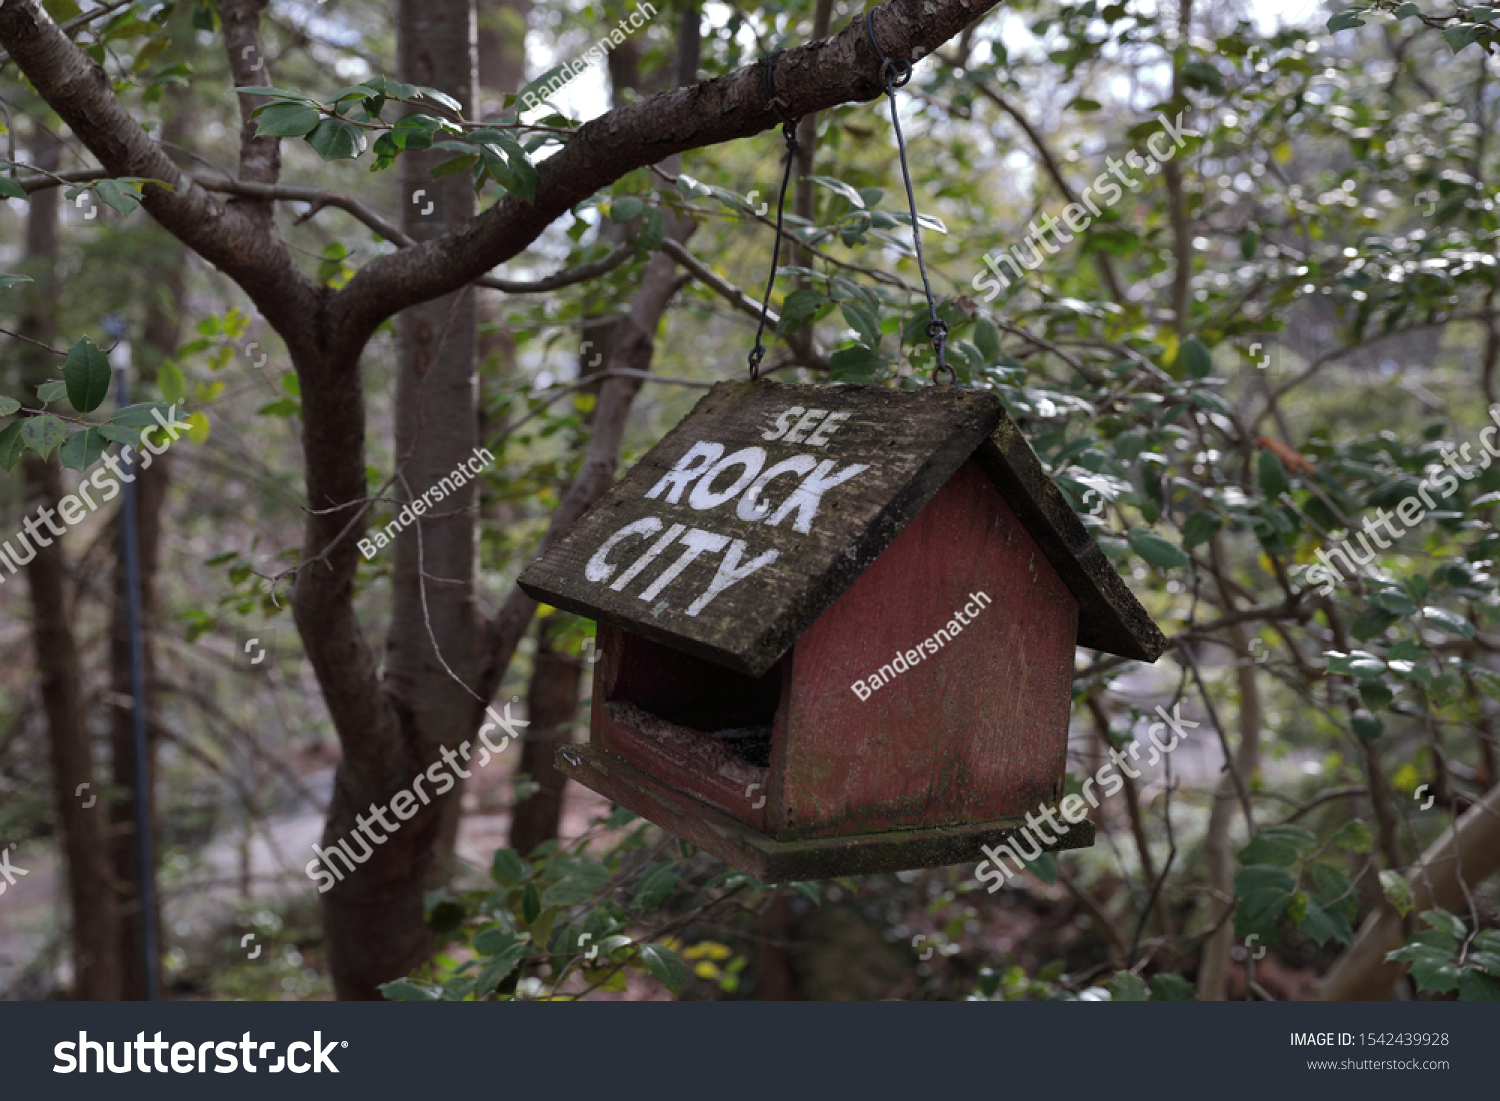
(783, 861)
(752, 516)
(976, 729)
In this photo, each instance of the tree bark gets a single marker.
(551, 707)
(96, 961)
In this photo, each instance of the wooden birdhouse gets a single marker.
(837, 629)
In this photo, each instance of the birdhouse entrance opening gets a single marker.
(658, 685)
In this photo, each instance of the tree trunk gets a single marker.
(96, 962)
(380, 905)
(551, 707)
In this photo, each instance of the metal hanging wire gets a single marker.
(894, 73)
(789, 130)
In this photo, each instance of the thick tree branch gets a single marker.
(823, 74)
(260, 157)
(226, 235)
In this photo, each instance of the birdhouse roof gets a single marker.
(753, 515)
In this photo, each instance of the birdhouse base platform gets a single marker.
(773, 861)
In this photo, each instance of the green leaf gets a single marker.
(1397, 891)
(87, 375)
(533, 91)
(170, 382)
(43, 434)
(1199, 528)
(1474, 986)
(1371, 623)
(140, 415)
(83, 449)
(1265, 893)
(286, 407)
(9, 406)
(1278, 845)
(1448, 621)
(1489, 960)
(1395, 602)
(492, 940)
(1322, 923)
(1271, 475)
(11, 446)
(1354, 837)
(857, 364)
(627, 208)
(287, 120)
(337, 140)
(1356, 664)
(1157, 551)
(839, 188)
(10, 189)
(863, 321)
(799, 308)
(1195, 358)
(664, 966)
(1460, 35)
(403, 991)
(1367, 727)
(8, 280)
(1445, 923)
(1167, 987)
(497, 969)
(116, 197)
(507, 867)
(1345, 20)
(1127, 987)
(658, 883)
(987, 339)
(115, 434)
(49, 392)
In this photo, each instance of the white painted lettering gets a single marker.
(650, 556)
(598, 568)
(696, 541)
(782, 422)
(827, 429)
(683, 474)
(750, 509)
(806, 498)
(704, 496)
(730, 572)
(810, 418)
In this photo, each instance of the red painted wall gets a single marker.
(976, 732)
